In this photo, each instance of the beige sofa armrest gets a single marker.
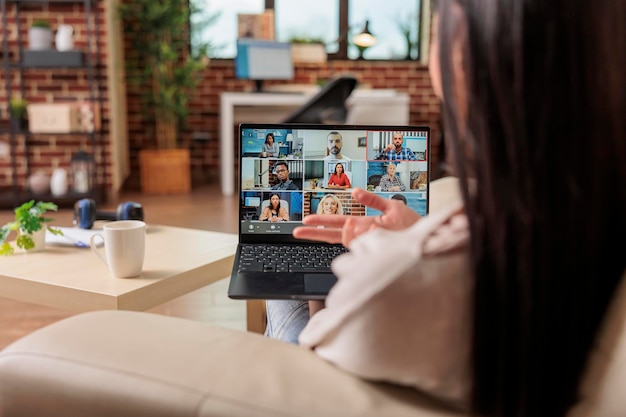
(116, 363)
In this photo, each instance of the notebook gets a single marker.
(314, 171)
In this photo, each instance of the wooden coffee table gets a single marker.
(178, 261)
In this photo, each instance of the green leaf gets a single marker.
(55, 231)
(6, 249)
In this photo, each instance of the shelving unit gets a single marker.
(23, 144)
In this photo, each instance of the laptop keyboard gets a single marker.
(287, 258)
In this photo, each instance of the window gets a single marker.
(394, 23)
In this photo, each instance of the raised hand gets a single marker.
(343, 229)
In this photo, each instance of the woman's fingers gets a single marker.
(370, 199)
(331, 220)
(321, 235)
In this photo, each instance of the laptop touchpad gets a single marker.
(318, 283)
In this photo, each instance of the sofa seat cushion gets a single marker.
(116, 363)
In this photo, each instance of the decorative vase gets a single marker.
(39, 183)
(39, 39)
(58, 182)
(64, 39)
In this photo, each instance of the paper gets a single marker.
(72, 236)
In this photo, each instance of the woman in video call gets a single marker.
(270, 147)
(330, 204)
(339, 179)
(274, 212)
(390, 182)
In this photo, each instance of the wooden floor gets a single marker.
(205, 208)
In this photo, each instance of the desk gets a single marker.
(364, 107)
(177, 261)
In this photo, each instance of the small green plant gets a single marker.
(40, 23)
(29, 218)
(307, 40)
(18, 107)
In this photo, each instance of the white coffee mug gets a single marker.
(124, 247)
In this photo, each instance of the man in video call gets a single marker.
(282, 172)
(335, 143)
(395, 152)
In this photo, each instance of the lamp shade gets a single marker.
(365, 39)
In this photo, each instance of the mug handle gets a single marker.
(94, 246)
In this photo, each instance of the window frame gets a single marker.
(344, 26)
(344, 14)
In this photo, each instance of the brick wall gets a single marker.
(62, 85)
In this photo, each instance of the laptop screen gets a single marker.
(289, 171)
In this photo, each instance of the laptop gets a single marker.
(277, 192)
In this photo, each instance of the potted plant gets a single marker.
(313, 182)
(17, 112)
(308, 50)
(40, 35)
(30, 226)
(166, 73)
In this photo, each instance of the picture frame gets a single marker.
(362, 142)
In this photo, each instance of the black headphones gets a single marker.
(85, 213)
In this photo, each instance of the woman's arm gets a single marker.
(346, 181)
(265, 214)
(283, 214)
(384, 183)
(401, 184)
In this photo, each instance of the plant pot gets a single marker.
(39, 39)
(39, 238)
(308, 53)
(165, 171)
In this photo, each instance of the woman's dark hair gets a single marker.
(270, 202)
(543, 132)
(343, 169)
(269, 135)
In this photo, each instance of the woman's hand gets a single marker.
(343, 229)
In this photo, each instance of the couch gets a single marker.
(121, 363)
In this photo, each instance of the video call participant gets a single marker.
(282, 172)
(395, 152)
(391, 182)
(274, 212)
(335, 143)
(330, 204)
(339, 178)
(270, 147)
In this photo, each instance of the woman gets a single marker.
(270, 148)
(390, 182)
(339, 179)
(537, 232)
(274, 212)
(330, 204)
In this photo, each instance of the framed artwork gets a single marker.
(362, 142)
